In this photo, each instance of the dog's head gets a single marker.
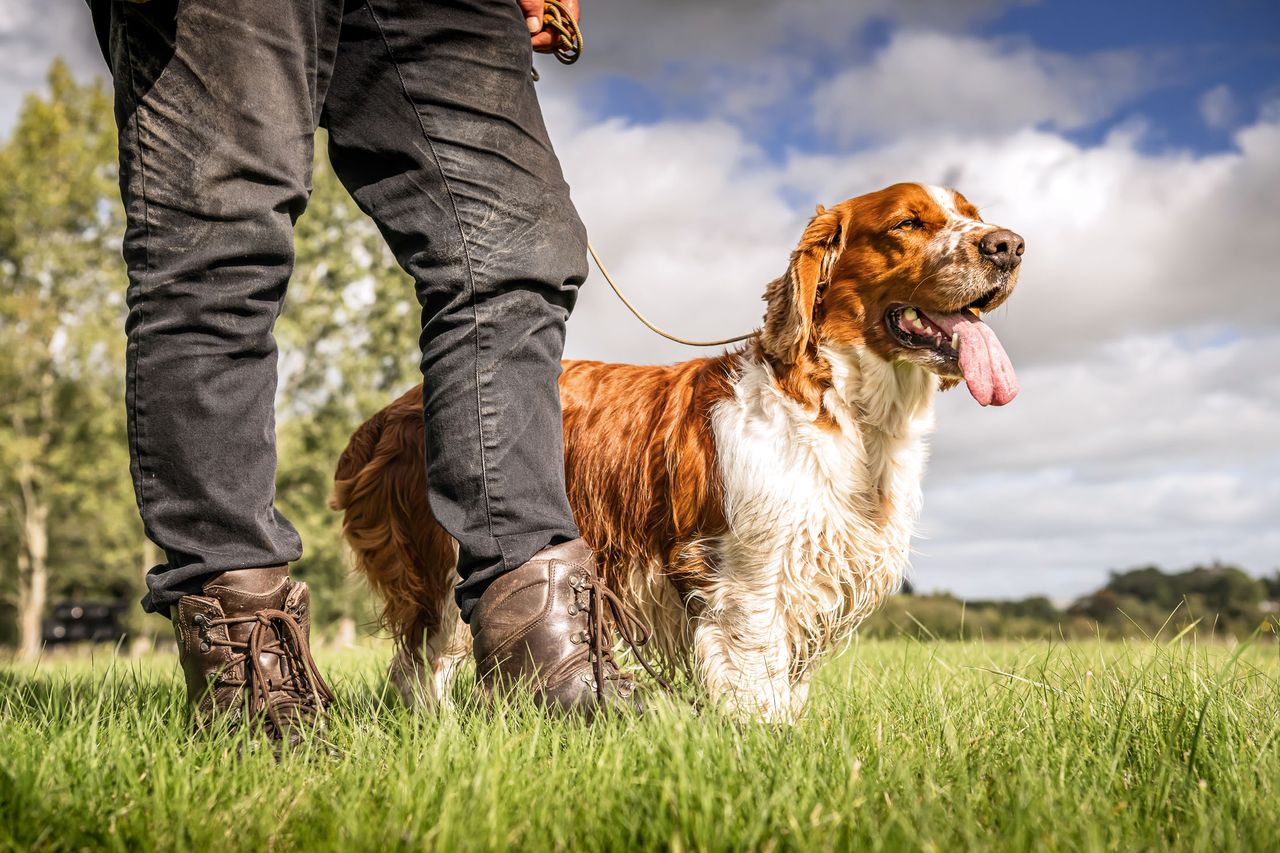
(904, 272)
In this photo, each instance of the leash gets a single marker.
(645, 320)
(569, 44)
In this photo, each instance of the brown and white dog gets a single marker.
(754, 507)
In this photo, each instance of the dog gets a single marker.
(754, 506)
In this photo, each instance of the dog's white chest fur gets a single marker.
(819, 515)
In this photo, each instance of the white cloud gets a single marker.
(1218, 107)
(1136, 407)
(944, 83)
(1149, 449)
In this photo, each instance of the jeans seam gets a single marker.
(471, 282)
(146, 256)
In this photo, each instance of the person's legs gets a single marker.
(217, 103)
(435, 129)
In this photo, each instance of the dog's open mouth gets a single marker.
(962, 339)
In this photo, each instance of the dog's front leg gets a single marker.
(744, 661)
(425, 681)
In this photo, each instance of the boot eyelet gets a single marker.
(200, 620)
(573, 609)
(300, 610)
(205, 645)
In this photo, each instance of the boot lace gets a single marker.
(602, 601)
(302, 692)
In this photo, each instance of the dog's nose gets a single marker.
(1004, 248)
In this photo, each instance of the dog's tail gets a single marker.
(380, 487)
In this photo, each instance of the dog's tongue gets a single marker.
(983, 361)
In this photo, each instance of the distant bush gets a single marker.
(1208, 601)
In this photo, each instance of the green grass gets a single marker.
(942, 746)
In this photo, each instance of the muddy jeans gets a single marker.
(435, 131)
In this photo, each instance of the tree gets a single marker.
(1226, 589)
(61, 350)
(1148, 583)
(1271, 583)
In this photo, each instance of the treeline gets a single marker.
(1217, 600)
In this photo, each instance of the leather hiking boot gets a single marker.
(543, 626)
(244, 646)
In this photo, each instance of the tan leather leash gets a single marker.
(556, 18)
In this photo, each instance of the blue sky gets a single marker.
(1136, 146)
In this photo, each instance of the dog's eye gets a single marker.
(909, 224)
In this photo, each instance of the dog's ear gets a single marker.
(788, 319)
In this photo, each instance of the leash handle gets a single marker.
(556, 18)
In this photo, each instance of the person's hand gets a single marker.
(543, 42)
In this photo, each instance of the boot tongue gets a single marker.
(986, 367)
(244, 592)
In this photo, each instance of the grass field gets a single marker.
(906, 746)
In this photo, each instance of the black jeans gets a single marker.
(436, 132)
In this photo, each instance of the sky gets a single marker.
(1135, 145)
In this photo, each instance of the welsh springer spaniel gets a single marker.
(754, 506)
